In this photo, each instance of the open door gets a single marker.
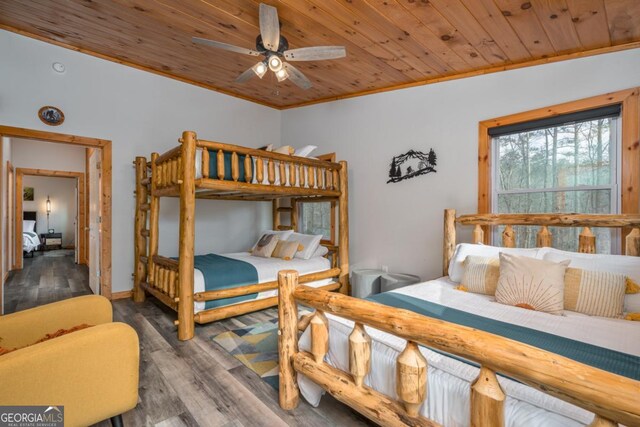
(95, 223)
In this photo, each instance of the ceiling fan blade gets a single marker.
(225, 46)
(269, 27)
(316, 53)
(246, 76)
(297, 77)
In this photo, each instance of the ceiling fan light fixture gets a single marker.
(282, 75)
(275, 63)
(260, 69)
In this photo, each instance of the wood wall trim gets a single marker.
(131, 64)
(474, 73)
(106, 207)
(630, 172)
(121, 295)
(442, 78)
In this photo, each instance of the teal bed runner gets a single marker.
(221, 272)
(213, 166)
(612, 361)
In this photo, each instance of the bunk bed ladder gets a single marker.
(141, 232)
(290, 211)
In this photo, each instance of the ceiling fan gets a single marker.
(275, 48)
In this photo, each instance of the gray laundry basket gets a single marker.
(391, 281)
(365, 282)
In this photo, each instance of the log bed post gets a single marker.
(289, 394)
(343, 236)
(632, 242)
(449, 243)
(487, 400)
(411, 378)
(140, 247)
(154, 211)
(359, 354)
(187, 236)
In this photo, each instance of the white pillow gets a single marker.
(282, 235)
(285, 149)
(321, 251)
(28, 225)
(622, 264)
(309, 244)
(456, 268)
(305, 151)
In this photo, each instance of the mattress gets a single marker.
(449, 379)
(30, 241)
(268, 269)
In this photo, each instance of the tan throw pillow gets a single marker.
(265, 246)
(530, 283)
(596, 293)
(480, 274)
(285, 250)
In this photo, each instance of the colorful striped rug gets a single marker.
(256, 346)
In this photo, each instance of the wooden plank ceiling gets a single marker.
(390, 43)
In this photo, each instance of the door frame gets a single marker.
(9, 258)
(81, 215)
(105, 212)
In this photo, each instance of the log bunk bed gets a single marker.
(612, 398)
(239, 173)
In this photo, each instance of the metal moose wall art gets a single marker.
(412, 164)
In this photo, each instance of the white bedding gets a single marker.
(30, 241)
(268, 269)
(449, 379)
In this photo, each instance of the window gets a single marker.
(319, 217)
(562, 159)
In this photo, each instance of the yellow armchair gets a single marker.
(92, 372)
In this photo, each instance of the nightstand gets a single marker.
(51, 239)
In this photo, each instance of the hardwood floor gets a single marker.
(191, 383)
(47, 277)
(197, 383)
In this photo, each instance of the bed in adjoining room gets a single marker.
(484, 345)
(30, 240)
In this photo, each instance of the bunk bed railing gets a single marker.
(279, 169)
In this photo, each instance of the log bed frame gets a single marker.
(613, 398)
(172, 174)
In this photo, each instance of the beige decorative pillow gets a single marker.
(530, 283)
(596, 293)
(265, 246)
(285, 250)
(480, 274)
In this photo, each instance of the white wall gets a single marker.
(400, 225)
(32, 154)
(62, 193)
(140, 112)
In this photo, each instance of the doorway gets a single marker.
(67, 207)
(103, 151)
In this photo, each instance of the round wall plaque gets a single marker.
(51, 116)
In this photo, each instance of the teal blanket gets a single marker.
(221, 272)
(609, 360)
(213, 166)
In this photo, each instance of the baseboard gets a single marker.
(68, 247)
(121, 295)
